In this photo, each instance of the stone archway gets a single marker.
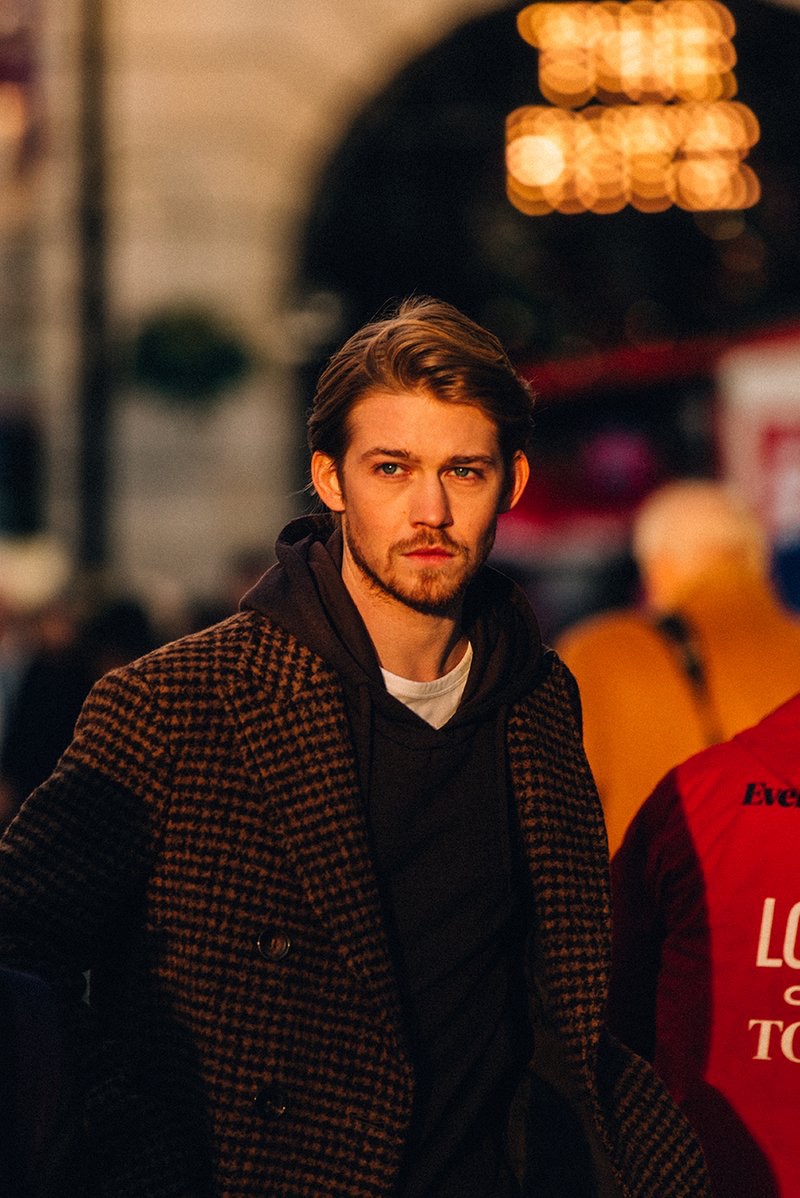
(414, 198)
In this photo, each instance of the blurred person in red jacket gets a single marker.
(706, 960)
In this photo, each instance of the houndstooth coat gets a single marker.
(202, 849)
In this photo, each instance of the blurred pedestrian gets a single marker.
(71, 654)
(242, 571)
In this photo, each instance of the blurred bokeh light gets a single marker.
(665, 130)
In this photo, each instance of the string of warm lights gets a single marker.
(665, 129)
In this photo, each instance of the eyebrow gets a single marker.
(459, 459)
(378, 452)
(473, 459)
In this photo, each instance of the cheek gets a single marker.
(483, 532)
(366, 530)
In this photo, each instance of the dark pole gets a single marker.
(94, 374)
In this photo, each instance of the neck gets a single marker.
(420, 653)
(410, 643)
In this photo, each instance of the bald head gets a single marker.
(689, 528)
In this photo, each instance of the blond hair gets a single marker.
(690, 526)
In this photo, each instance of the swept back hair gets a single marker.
(424, 344)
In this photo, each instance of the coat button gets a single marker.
(270, 1101)
(273, 944)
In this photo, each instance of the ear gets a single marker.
(325, 477)
(520, 473)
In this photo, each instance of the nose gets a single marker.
(430, 504)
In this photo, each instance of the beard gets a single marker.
(434, 591)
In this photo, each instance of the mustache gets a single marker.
(429, 541)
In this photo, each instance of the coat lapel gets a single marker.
(294, 727)
(563, 833)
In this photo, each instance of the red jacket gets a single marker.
(706, 976)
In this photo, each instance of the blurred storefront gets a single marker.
(612, 427)
(758, 385)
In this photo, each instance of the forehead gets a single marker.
(416, 420)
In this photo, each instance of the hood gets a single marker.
(304, 593)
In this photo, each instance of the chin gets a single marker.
(435, 600)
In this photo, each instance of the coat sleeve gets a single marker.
(73, 865)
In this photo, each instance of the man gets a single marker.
(318, 856)
(706, 949)
(711, 650)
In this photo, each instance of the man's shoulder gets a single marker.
(248, 640)
(553, 691)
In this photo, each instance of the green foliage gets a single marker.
(187, 355)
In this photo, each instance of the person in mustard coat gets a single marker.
(709, 653)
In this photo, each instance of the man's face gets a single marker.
(419, 489)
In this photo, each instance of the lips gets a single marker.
(430, 555)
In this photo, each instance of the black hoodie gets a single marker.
(445, 850)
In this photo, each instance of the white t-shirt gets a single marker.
(435, 702)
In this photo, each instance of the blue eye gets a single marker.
(388, 468)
